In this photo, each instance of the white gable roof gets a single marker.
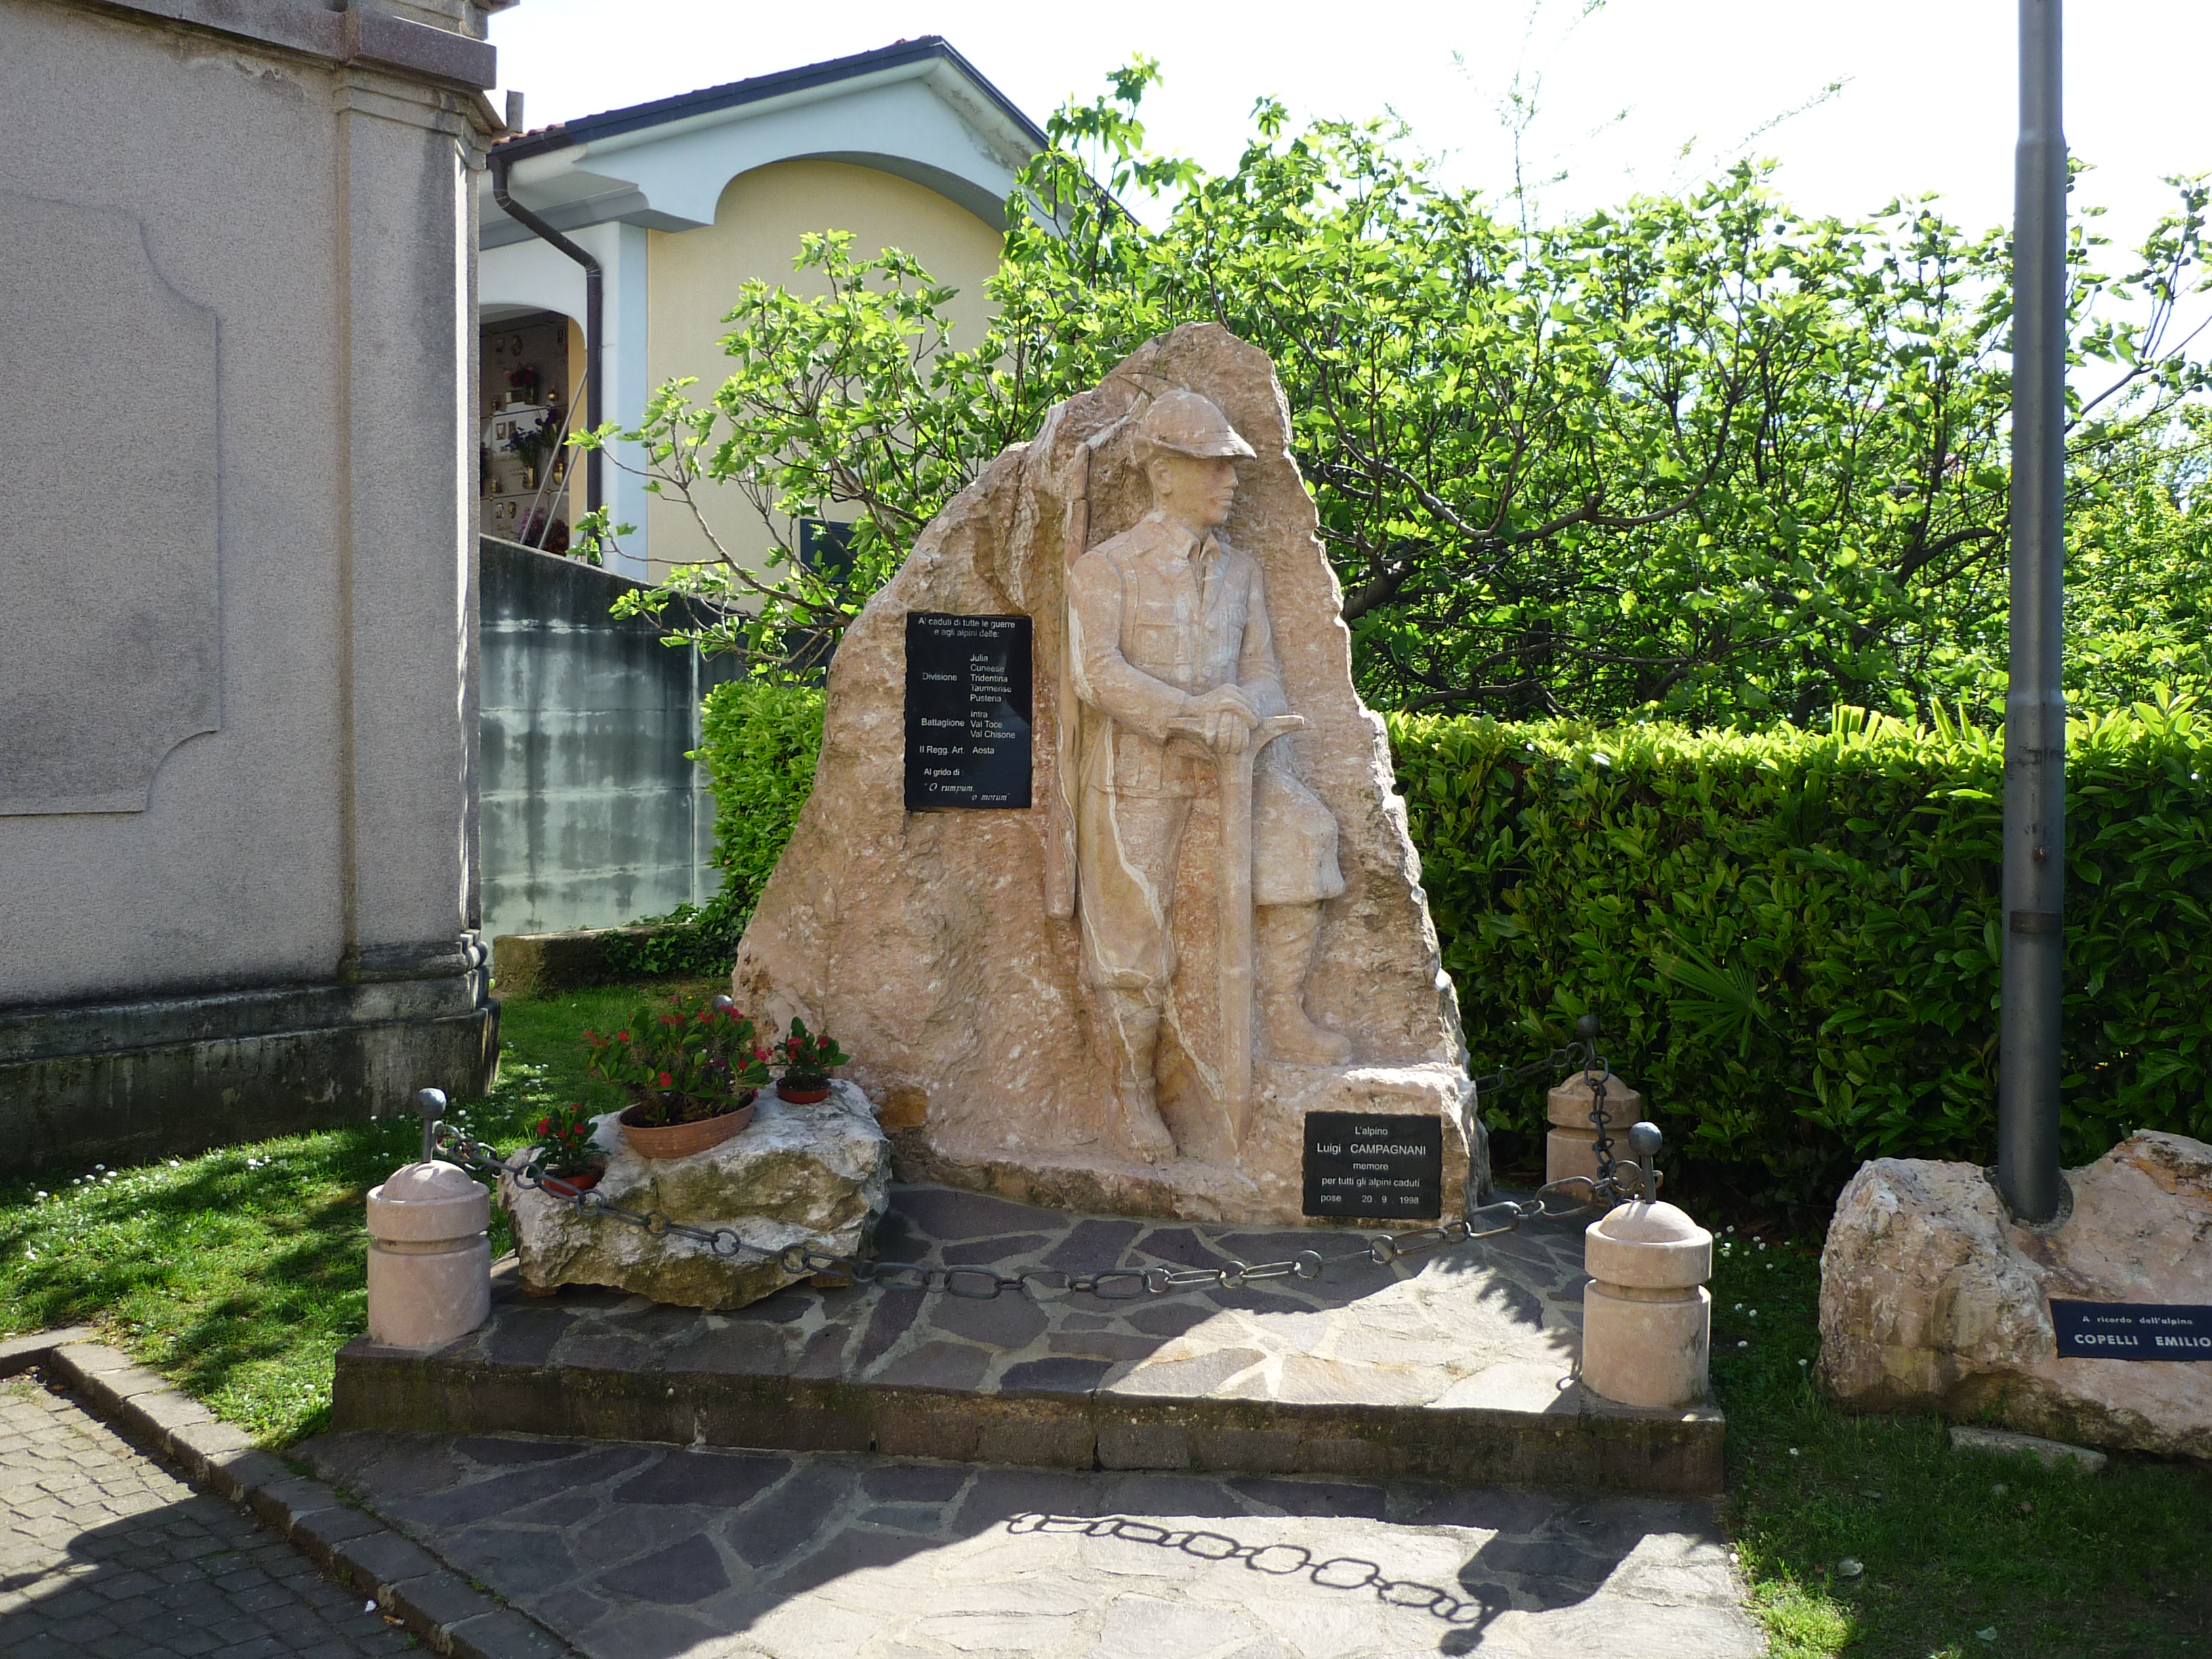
(917, 109)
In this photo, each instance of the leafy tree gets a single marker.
(1698, 456)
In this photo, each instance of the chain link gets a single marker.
(1040, 1284)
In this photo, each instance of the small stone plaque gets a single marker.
(967, 711)
(2131, 1330)
(1383, 1166)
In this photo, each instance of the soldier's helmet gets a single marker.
(1184, 423)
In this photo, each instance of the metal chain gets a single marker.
(1039, 1284)
(1581, 1055)
(1114, 1284)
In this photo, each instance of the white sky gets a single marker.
(1929, 103)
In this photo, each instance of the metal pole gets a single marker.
(2035, 700)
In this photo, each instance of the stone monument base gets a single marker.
(1265, 1186)
(796, 1175)
(1459, 1365)
(1931, 1300)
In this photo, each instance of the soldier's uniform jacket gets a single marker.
(1151, 626)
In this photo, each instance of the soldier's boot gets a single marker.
(1282, 949)
(1133, 1031)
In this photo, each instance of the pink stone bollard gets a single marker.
(429, 1262)
(1571, 1148)
(1647, 1318)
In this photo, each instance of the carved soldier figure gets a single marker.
(1174, 664)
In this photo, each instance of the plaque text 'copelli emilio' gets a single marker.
(967, 711)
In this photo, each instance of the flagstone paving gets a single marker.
(106, 1554)
(631, 1550)
(1459, 1364)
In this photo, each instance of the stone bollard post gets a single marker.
(429, 1262)
(1647, 1316)
(1571, 1148)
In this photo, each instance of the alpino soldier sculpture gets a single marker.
(1173, 663)
(1204, 784)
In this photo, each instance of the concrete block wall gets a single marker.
(592, 816)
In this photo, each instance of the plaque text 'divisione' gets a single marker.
(967, 711)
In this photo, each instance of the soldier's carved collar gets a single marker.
(1207, 546)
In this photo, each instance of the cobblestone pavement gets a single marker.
(105, 1554)
(636, 1551)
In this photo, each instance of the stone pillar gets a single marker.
(1647, 1318)
(429, 1262)
(1571, 1148)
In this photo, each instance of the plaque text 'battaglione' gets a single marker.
(967, 711)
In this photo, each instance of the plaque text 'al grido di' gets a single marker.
(1380, 1166)
(967, 711)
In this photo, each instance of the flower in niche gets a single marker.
(666, 1081)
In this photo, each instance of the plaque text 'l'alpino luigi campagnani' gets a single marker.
(967, 711)
(1374, 1165)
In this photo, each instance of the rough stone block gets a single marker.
(538, 964)
(1966, 1438)
(1256, 1451)
(1933, 1300)
(1051, 1442)
(1144, 1446)
(941, 1429)
(818, 1176)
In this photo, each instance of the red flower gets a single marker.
(544, 1125)
(590, 1035)
(666, 1081)
(621, 1037)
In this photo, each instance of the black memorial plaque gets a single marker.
(967, 711)
(1387, 1166)
(2131, 1330)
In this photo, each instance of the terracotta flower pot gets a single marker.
(803, 1092)
(683, 1139)
(582, 1182)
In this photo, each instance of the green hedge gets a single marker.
(1791, 937)
(757, 743)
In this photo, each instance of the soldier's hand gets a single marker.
(1231, 734)
(1226, 700)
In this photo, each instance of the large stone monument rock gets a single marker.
(1933, 1300)
(1096, 987)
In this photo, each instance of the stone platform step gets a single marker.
(1458, 1367)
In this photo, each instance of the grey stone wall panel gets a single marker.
(592, 814)
(113, 645)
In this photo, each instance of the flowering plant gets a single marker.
(804, 1058)
(564, 1140)
(692, 1060)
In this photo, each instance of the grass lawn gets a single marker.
(1962, 1553)
(238, 1275)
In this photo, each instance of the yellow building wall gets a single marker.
(693, 277)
